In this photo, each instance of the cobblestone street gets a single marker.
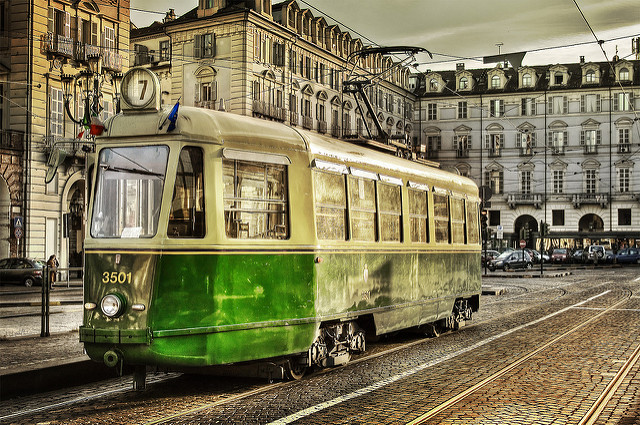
(545, 351)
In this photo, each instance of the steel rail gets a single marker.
(457, 398)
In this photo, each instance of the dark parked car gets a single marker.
(609, 256)
(577, 256)
(628, 255)
(491, 255)
(511, 260)
(559, 255)
(22, 271)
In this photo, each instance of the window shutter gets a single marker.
(598, 103)
(501, 103)
(50, 22)
(598, 137)
(79, 29)
(523, 106)
(198, 93)
(583, 103)
(94, 33)
(67, 24)
(550, 106)
(616, 102)
(582, 137)
(550, 139)
(455, 142)
(565, 105)
(487, 141)
(565, 138)
(197, 46)
(256, 46)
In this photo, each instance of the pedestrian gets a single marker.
(53, 264)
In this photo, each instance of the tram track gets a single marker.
(495, 376)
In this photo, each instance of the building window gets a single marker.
(462, 110)
(495, 179)
(624, 144)
(624, 180)
(558, 78)
(557, 217)
(590, 181)
(494, 144)
(165, 52)
(57, 113)
(622, 102)
(527, 141)
(528, 106)
(464, 83)
(624, 74)
(558, 105)
(433, 85)
(432, 111)
(525, 182)
(590, 139)
(590, 77)
(496, 108)
(204, 46)
(434, 144)
(624, 217)
(495, 82)
(462, 145)
(558, 181)
(590, 103)
(526, 80)
(558, 142)
(494, 217)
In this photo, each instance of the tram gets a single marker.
(220, 239)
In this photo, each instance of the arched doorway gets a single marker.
(590, 223)
(5, 220)
(74, 222)
(525, 224)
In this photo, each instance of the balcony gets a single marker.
(293, 118)
(57, 44)
(590, 149)
(495, 152)
(526, 151)
(206, 104)
(580, 199)
(624, 148)
(432, 154)
(111, 60)
(516, 199)
(11, 140)
(269, 110)
(462, 153)
(322, 127)
(335, 131)
(84, 52)
(307, 122)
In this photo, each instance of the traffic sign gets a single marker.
(18, 232)
(523, 243)
(17, 222)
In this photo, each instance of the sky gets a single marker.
(464, 31)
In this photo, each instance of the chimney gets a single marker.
(170, 16)
(460, 66)
(582, 59)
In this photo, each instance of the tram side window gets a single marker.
(186, 219)
(457, 220)
(331, 205)
(255, 200)
(418, 216)
(390, 212)
(473, 229)
(441, 217)
(362, 209)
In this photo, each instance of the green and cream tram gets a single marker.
(230, 239)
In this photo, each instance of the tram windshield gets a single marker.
(128, 188)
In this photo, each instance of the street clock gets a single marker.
(140, 90)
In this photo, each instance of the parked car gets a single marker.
(536, 256)
(511, 260)
(609, 256)
(22, 271)
(628, 255)
(560, 255)
(577, 256)
(491, 255)
(593, 253)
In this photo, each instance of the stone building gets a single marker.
(40, 41)
(556, 144)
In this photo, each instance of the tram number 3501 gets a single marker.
(116, 277)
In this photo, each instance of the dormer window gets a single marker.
(590, 77)
(433, 85)
(624, 74)
(526, 80)
(558, 78)
(464, 83)
(495, 82)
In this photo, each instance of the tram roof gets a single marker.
(219, 127)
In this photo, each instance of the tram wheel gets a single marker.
(294, 371)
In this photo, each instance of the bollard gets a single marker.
(44, 320)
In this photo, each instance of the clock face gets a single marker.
(138, 87)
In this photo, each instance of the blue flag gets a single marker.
(173, 116)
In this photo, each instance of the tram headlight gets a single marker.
(112, 305)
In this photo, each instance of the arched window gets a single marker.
(526, 80)
(590, 77)
(495, 82)
(624, 74)
(464, 83)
